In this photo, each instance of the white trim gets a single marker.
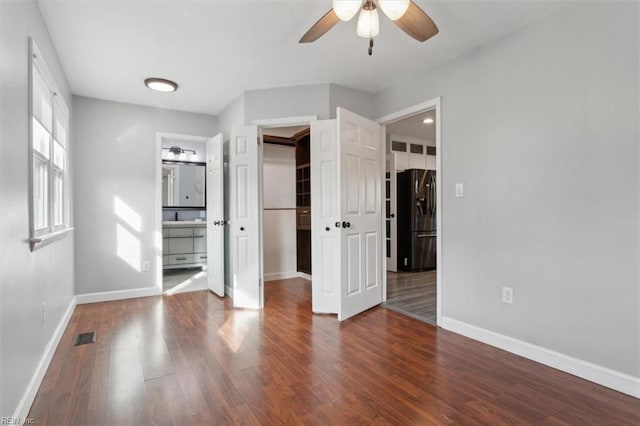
(409, 112)
(439, 252)
(304, 275)
(158, 219)
(433, 104)
(280, 276)
(24, 405)
(108, 296)
(601, 375)
(302, 120)
(49, 238)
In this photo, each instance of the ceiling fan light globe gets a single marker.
(394, 9)
(346, 9)
(368, 23)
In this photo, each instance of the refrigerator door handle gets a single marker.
(426, 235)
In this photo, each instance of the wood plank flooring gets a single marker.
(190, 359)
(414, 293)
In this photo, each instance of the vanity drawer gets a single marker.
(199, 244)
(200, 258)
(165, 246)
(180, 232)
(165, 260)
(201, 231)
(180, 245)
(165, 232)
(178, 259)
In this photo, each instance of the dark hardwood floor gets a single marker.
(191, 359)
(413, 293)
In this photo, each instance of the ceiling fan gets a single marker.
(404, 13)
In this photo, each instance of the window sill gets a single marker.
(45, 240)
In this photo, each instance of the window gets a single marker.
(399, 146)
(49, 146)
(416, 148)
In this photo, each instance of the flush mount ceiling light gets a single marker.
(404, 13)
(161, 84)
(428, 120)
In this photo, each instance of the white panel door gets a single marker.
(391, 227)
(245, 216)
(215, 215)
(361, 158)
(325, 217)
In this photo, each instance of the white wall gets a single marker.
(115, 162)
(27, 278)
(293, 101)
(354, 100)
(279, 225)
(542, 128)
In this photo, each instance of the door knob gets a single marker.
(392, 215)
(346, 224)
(337, 224)
(217, 222)
(327, 229)
(242, 228)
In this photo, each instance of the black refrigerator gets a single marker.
(416, 208)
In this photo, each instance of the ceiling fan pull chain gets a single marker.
(370, 46)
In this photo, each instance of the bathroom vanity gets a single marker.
(184, 244)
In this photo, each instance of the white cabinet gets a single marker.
(412, 153)
(184, 245)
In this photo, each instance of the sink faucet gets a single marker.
(176, 219)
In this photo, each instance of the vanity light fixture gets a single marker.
(176, 151)
(161, 84)
(428, 120)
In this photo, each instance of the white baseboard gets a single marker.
(280, 276)
(303, 275)
(29, 395)
(601, 375)
(107, 296)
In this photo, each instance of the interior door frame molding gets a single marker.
(158, 203)
(269, 123)
(433, 104)
(302, 120)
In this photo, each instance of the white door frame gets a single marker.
(433, 104)
(270, 123)
(158, 219)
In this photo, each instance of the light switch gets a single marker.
(459, 190)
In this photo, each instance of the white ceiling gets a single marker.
(216, 49)
(414, 127)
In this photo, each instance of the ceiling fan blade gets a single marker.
(324, 24)
(417, 24)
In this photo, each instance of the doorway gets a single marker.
(181, 163)
(413, 214)
(286, 205)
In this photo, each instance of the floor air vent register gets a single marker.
(85, 338)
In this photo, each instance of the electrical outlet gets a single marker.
(507, 295)
(146, 266)
(44, 311)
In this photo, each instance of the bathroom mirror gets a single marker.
(183, 184)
